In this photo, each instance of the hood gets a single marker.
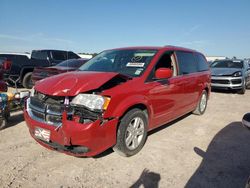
(223, 71)
(72, 83)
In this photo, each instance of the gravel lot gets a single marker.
(195, 151)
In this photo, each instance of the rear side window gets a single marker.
(187, 63)
(202, 63)
(59, 55)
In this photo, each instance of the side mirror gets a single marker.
(163, 73)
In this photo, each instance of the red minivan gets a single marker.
(116, 98)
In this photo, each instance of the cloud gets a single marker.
(11, 37)
(39, 37)
(192, 30)
(196, 42)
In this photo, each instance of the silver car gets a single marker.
(230, 74)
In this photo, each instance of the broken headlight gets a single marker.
(91, 101)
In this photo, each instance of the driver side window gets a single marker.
(167, 60)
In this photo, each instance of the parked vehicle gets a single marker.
(230, 74)
(65, 66)
(116, 98)
(3, 85)
(20, 66)
(246, 120)
(246, 123)
(10, 102)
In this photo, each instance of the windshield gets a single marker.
(129, 62)
(227, 64)
(72, 63)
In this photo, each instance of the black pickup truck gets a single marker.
(18, 67)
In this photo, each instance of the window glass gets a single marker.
(129, 62)
(72, 63)
(72, 55)
(227, 64)
(202, 63)
(187, 63)
(42, 55)
(59, 55)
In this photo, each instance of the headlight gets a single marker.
(94, 102)
(237, 74)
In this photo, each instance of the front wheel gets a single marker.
(132, 133)
(202, 104)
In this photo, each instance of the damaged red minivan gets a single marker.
(116, 98)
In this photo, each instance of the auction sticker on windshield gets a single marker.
(42, 134)
(135, 64)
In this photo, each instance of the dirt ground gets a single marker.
(212, 150)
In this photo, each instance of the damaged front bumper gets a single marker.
(68, 134)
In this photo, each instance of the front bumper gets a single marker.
(226, 82)
(77, 139)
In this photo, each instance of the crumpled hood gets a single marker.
(72, 83)
(223, 71)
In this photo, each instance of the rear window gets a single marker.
(72, 55)
(42, 55)
(59, 55)
(186, 62)
(72, 63)
(202, 63)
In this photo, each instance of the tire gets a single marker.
(27, 82)
(133, 128)
(202, 104)
(243, 89)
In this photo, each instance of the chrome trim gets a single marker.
(31, 107)
(35, 107)
(225, 78)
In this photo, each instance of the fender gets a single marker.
(118, 109)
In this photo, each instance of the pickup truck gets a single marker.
(18, 67)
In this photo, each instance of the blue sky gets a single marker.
(212, 27)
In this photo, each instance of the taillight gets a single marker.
(7, 65)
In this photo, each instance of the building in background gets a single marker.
(85, 56)
(213, 58)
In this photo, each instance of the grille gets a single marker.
(238, 81)
(220, 81)
(45, 112)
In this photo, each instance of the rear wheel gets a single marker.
(202, 104)
(27, 82)
(132, 133)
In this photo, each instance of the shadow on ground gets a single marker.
(226, 163)
(110, 150)
(229, 91)
(147, 179)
